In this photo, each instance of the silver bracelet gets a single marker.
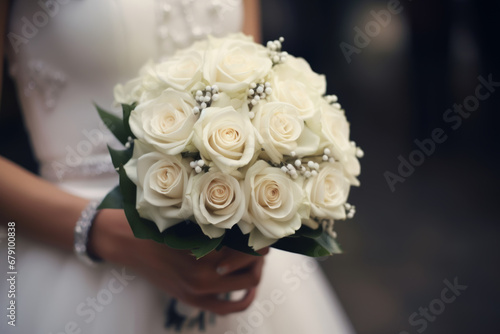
(82, 230)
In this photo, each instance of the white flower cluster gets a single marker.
(205, 98)
(274, 50)
(227, 135)
(257, 92)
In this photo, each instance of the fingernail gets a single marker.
(222, 270)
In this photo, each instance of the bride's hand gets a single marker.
(196, 282)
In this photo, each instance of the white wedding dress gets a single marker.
(65, 55)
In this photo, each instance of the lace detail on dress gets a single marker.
(44, 80)
(75, 167)
(172, 39)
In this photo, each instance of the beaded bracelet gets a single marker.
(82, 231)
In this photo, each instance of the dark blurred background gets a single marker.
(396, 85)
(397, 78)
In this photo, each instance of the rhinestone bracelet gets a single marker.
(82, 231)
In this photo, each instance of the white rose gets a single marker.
(282, 131)
(141, 89)
(352, 168)
(182, 72)
(295, 92)
(161, 181)
(276, 205)
(225, 137)
(299, 69)
(218, 202)
(334, 129)
(129, 92)
(225, 100)
(328, 191)
(233, 63)
(165, 122)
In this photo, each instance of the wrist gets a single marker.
(93, 245)
(109, 235)
(82, 232)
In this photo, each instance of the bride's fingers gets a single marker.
(263, 251)
(242, 280)
(212, 283)
(219, 306)
(234, 261)
(231, 265)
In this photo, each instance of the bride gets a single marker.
(64, 55)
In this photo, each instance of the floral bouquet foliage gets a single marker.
(231, 143)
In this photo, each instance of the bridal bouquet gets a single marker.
(231, 143)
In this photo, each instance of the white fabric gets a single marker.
(74, 59)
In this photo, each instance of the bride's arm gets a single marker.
(251, 22)
(43, 211)
(48, 213)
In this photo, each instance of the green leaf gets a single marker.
(236, 240)
(301, 245)
(120, 157)
(329, 243)
(185, 235)
(113, 200)
(127, 110)
(323, 245)
(207, 247)
(309, 232)
(142, 228)
(309, 242)
(114, 124)
(188, 235)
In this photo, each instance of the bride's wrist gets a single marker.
(82, 232)
(94, 245)
(108, 235)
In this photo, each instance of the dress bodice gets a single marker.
(65, 55)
